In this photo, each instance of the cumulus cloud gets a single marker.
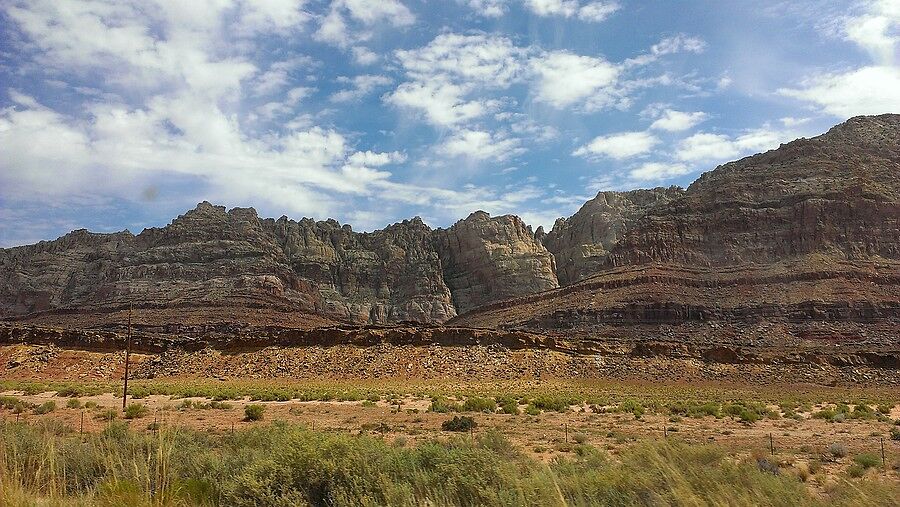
(564, 79)
(590, 11)
(868, 89)
(360, 86)
(441, 103)
(618, 146)
(350, 21)
(705, 146)
(363, 55)
(675, 121)
(480, 145)
(658, 171)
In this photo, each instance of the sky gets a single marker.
(122, 114)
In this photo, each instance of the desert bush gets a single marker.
(895, 433)
(862, 412)
(508, 405)
(284, 464)
(579, 438)
(459, 423)
(107, 415)
(73, 403)
(856, 470)
(867, 460)
(45, 408)
(552, 403)
(631, 406)
(254, 412)
(477, 404)
(442, 405)
(135, 410)
(837, 450)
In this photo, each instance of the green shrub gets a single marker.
(856, 470)
(579, 438)
(531, 409)
(895, 433)
(748, 416)
(552, 403)
(254, 412)
(476, 404)
(90, 404)
(508, 405)
(862, 412)
(108, 415)
(631, 406)
(867, 460)
(135, 410)
(45, 408)
(459, 423)
(442, 405)
(73, 403)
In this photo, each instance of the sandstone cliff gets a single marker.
(806, 236)
(210, 257)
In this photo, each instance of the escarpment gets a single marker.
(801, 242)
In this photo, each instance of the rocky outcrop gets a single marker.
(836, 194)
(489, 259)
(581, 243)
(804, 234)
(213, 257)
(798, 244)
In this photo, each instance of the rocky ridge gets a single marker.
(801, 242)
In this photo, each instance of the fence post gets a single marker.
(883, 463)
(772, 444)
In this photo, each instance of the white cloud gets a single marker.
(658, 171)
(441, 103)
(480, 145)
(487, 8)
(706, 146)
(681, 43)
(335, 27)
(487, 60)
(597, 11)
(618, 146)
(363, 55)
(361, 86)
(877, 30)
(565, 8)
(375, 159)
(591, 11)
(675, 121)
(564, 79)
(867, 90)
(279, 75)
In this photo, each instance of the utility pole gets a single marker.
(127, 356)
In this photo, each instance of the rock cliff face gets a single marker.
(582, 243)
(796, 244)
(210, 257)
(489, 259)
(805, 234)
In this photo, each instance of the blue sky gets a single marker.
(124, 114)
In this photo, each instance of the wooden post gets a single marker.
(127, 357)
(665, 431)
(82, 423)
(883, 463)
(772, 444)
